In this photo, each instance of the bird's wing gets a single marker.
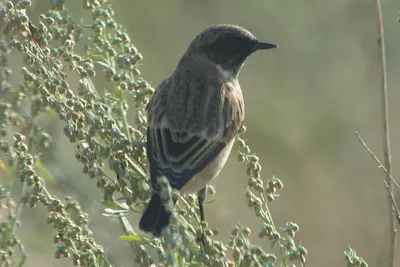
(182, 137)
(179, 159)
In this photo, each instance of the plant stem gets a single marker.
(385, 128)
(380, 165)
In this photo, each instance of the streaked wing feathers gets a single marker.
(178, 156)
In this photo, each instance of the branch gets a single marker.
(385, 120)
(380, 165)
(395, 207)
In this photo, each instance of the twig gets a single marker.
(395, 207)
(385, 120)
(380, 165)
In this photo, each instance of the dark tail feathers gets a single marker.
(155, 217)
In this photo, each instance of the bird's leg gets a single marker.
(201, 196)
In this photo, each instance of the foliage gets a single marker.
(110, 150)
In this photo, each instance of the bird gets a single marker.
(194, 117)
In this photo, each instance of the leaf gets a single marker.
(210, 201)
(118, 215)
(132, 238)
(105, 64)
(112, 211)
(116, 206)
(3, 166)
(179, 259)
(273, 243)
(44, 171)
(115, 210)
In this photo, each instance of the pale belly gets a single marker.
(200, 180)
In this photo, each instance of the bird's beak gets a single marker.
(264, 45)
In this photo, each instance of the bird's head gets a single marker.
(228, 46)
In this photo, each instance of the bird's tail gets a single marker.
(155, 217)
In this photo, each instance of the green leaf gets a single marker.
(179, 259)
(3, 166)
(43, 171)
(118, 215)
(210, 201)
(131, 238)
(112, 211)
(120, 207)
(105, 64)
(138, 239)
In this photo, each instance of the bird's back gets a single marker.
(192, 117)
(198, 99)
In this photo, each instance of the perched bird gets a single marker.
(195, 115)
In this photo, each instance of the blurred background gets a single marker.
(303, 103)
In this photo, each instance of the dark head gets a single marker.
(226, 45)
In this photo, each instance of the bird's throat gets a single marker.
(228, 73)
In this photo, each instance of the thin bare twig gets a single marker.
(385, 120)
(380, 165)
(395, 207)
